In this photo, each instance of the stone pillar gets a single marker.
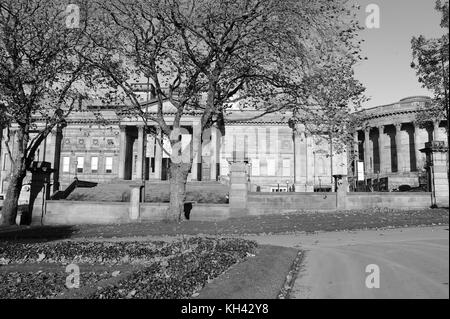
(135, 202)
(341, 192)
(122, 152)
(381, 153)
(238, 189)
(140, 154)
(355, 154)
(367, 151)
(158, 154)
(300, 160)
(310, 165)
(417, 147)
(436, 152)
(398, 147)
(196, 152)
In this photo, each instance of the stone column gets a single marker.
(158, 154)
(238, 189)
(196, 151)
(140, 154)
(398, 147)
(122, 152)
(310, 165)
(300, 160)
(417, 146)
(355, 153)
(381, 153)
(367, 150)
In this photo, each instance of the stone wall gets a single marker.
(199, 212)
(269, 203)
(81, 212)
(396, 200)
(274, 203)
(77, 213)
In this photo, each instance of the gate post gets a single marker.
(341, 186)
(238, 189)
(436, 154)
(135, 201)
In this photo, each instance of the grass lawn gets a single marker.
(117, 270)
(262, 276)
(294, 222)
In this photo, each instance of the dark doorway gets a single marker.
(147, 169)
(131, 136)
(165, 169)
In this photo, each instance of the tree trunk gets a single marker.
(10, 204)
(178, 173)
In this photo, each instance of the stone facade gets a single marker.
(278, 158)
(388, 146)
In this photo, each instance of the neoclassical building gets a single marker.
(278, 160)
(388, 146)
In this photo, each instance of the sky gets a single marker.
(387, 74)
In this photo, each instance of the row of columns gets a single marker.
(141, 152)
(197, 149)
(400, 151)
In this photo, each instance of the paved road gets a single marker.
(413, 263)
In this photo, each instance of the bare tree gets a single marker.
(42, 78)
(256, 53)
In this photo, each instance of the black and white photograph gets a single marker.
(225, 157)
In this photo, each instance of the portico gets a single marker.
(389, 144)
(144, 152)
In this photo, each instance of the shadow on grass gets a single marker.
(36, 233)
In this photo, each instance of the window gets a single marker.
(66, 164)
(94, 164)
(80, 164)
(108, 165)
(286, 167)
